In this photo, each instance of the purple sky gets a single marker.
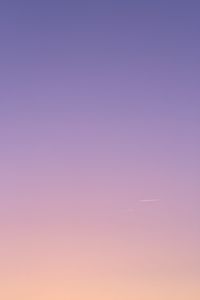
(99, 109)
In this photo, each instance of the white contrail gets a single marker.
(150, 200)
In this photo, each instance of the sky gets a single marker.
(100, 150)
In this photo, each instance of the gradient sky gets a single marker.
(99, 110)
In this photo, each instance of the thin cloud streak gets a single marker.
(150, 200)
